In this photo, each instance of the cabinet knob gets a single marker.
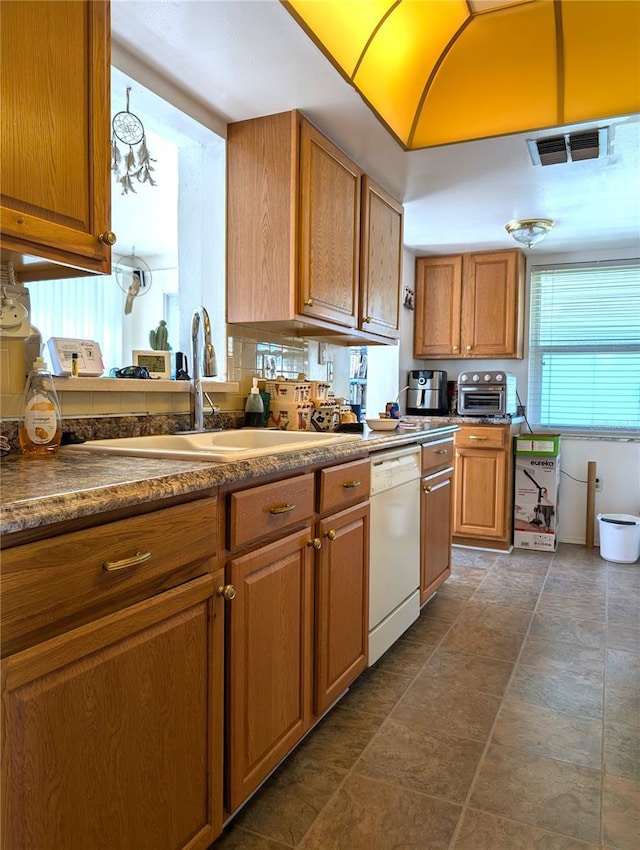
(427, 488)
(331, 534)
(366, 319)
(108, 238)
(468, 347)
(454, 347)
(458, 454)
(316, 543)
(308, 302)
(227, 591)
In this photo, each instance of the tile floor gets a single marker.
(506, 718)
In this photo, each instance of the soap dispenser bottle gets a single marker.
(40, 427)
(254, 408)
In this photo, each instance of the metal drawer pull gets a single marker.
(429, 488)
(474, 437)
(282, 509)
(349, 485)
(331, 534)
(227, 591)
(138, 558)
(316, 543)
(440, 451)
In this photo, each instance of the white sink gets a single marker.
(218, 446)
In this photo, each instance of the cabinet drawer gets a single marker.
(53, 585)
(481, 437)
(343, 485)
(436, 455)
(261, 511)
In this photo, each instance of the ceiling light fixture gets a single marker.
(528, 231)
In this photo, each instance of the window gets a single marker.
(584, 347)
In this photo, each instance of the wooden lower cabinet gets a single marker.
(297, 628)
(109, 730)
(436, 528)
(342, 603)
(483, 490)
(269, 655)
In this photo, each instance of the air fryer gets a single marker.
(427, 393)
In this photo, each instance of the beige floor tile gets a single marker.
(622, 747)
(561, 690)
(496, 617)
(476, 639)
(472, 558)
(568, 586)
(340, 738)
(623, 668)
(621, 812)
(558, 627)
(516, 597)
(376, 692)
(288, 804)
(440, 765)
(433, 706)
(481, 831)
(578, 608)
(406, 657)
(555, 655)
(623, 576)
(486, 675)
(621, 703)
(443, 607)
(235, 838)
(624, 638)
(428, 628)
(539, 791)
(544, 732)
(623, 614)
(369, 815)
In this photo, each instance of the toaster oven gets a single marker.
(487, 394)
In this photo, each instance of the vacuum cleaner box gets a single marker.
(536, 491)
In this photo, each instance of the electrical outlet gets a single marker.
(598, 485)
(323, 357)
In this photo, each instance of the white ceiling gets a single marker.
(236, 59)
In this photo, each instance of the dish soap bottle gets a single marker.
(40, 428)
(254, 408)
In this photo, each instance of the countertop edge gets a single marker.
(110, 482)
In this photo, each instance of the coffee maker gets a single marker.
(427, 393)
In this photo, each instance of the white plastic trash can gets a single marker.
(619, 538)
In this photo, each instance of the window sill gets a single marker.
(136, 385)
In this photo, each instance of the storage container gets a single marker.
(619, 538)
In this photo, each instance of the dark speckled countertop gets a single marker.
(40, 491)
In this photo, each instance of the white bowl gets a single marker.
(382, 424)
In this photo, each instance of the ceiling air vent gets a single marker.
(570, 147)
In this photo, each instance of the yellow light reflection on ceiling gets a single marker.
(442, 71)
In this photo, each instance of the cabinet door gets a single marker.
(342, 603)
(111, 737)
(435, 531)
(438, 301)
(380, 260)
(479, 492)
(269, 660)
(492, 308)
(329, 247)
(56, 192)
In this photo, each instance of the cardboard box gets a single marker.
(536, 492)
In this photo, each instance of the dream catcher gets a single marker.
(128, 129)
(133, 276)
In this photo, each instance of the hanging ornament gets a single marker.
(128, 129)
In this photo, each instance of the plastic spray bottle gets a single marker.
(40, 428)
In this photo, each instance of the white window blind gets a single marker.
(584, 346)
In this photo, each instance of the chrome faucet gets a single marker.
(209, 368)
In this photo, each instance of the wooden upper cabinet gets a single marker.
(380, 260)
(492, 304)
(55, 154)
(329, 231)
(296, 236)
(437, 308)
(470, 306)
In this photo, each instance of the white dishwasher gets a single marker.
(394, 595)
